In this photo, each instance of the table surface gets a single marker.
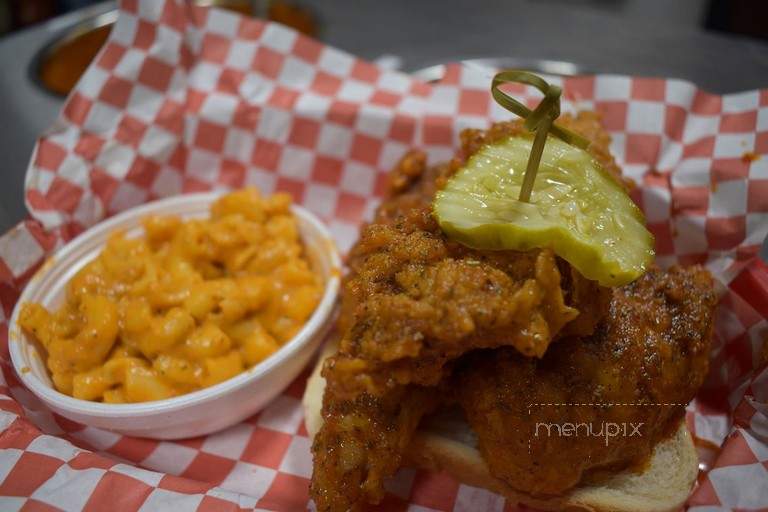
(424, 33)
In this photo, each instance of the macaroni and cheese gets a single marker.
(190, 304)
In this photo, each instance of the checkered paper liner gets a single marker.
(183, 99)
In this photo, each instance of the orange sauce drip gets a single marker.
(62, 69)
(749, 157)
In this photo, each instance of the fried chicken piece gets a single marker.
(361, 443)
(648, 357)
(417, 301)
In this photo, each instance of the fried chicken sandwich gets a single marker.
(555, 373)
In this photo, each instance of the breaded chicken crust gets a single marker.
(618, 392)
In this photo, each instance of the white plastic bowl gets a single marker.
(193, 414)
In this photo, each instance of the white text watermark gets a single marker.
(605, 430)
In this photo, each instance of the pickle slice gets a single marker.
(575, 208)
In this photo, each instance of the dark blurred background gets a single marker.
(720, 45)
(741, 17)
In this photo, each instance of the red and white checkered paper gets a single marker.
(183, 99)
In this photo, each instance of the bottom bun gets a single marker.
(445, 442)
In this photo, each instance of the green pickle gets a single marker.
(575, 209)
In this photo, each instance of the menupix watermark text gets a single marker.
(607, 430)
